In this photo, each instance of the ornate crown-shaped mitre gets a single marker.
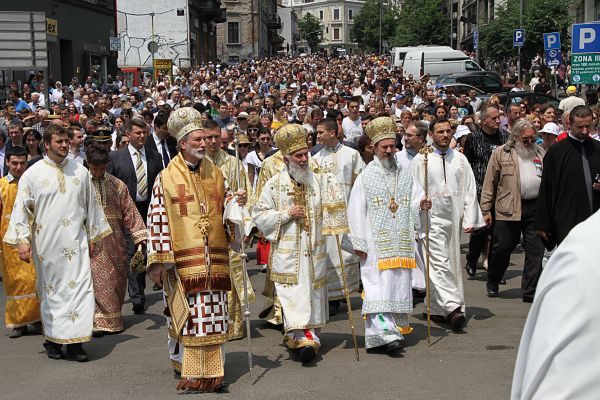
(183, 121)
(381, 128)
(290, 138)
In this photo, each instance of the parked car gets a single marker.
(487, 81)
(534, 98)
(437, 62)
(458, 88)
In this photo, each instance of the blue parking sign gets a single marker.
(586, 38)
(553, 58)
(552, 41)
(518, 37)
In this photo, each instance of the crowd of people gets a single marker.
(346, 175)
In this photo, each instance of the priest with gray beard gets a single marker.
(510, 191)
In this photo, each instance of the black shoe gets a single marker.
(98, 334)
(37, 328)
(76, 352)
(393, 347)
(54, 350)
(18, 332)
(139, 309)
(471, 271)
(492, 290)
(334, 307)
(527, 298)
(503, 282)
(307, 354)
(156, 287)
(457, 320)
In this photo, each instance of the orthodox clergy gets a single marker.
(345, 163)
(454, 205)
(109, 261)
(296, 209)
(230, 168)
(56, 220)
(383, 213)
(188, 254)
(22, 306)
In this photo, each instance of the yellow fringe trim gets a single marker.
(396, 262)
(405, 330)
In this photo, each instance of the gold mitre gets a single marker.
(381, 128)
(290, 138)
(183, 121)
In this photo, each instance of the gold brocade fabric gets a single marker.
(203, 362)
(194, 204)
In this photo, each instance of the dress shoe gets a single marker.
(18, 332)
(38, 328)
(503, 282)
(54, 350)
(457, 320)
(76, 352)
(307, 354)
(139, 309)
(527, 298)
(393, 347)
(98, 334)
(440, 319)
(471, 271)
(334, 307)
(263, 268)
(156, 287)
(492, 290)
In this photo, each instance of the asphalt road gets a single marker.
(135, 365)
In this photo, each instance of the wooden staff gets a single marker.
(347, 294)
(425, 152)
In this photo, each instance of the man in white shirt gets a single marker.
(572, 101)
(351, 124)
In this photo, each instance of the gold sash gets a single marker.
(194, 205)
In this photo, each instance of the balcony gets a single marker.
(274, 22)
(221, 17)
(208, 8)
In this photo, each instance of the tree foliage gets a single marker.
(539, 17)
(365, 25)
(310, 30)
(422, 22)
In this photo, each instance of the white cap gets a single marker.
(461, 131)
(361, 108)
(551, 128)
(161, 103)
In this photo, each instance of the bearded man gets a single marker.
(295, 210)
(510, 190)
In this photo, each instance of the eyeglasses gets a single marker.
(242, 146)
(252, 130)
(528, 140)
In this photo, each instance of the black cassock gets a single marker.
(563, 200)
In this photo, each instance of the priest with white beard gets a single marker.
(295, 210)
(454, 205)
(383, 216)
(346, 164)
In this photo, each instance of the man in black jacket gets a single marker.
(160, 140)
(137, 167)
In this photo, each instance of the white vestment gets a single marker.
(345, 164)
(454, 207)
(56, 211)
(298, 253)
(558, 355)
(387, 292)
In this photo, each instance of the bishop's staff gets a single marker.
(236, 142)
(347, 295)
(425, 152)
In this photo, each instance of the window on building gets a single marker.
(321, 15)
(233, 32)
(336, 33)
(336, 14)
(350, 16)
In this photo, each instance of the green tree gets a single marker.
(365, 25)
(539, 17)
(310, 30)
(422, 22)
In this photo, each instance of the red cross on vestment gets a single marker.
(182, 200)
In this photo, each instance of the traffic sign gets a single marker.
(475, 38)
(518, 37)
(585, 68)
(552, 41)
(152, 47)
(553, 58)
(115, 43)
(586, 38)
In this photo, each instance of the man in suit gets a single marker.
(137, 167)
(160, 140)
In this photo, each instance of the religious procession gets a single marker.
(345, 185)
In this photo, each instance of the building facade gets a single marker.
(289, 30)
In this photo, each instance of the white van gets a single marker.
(437, 62)
(398, 53)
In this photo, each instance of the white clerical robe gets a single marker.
(345, 164)
(387, 297)
(558, 356)
(298, 253)
(454, 207)
(57, 212)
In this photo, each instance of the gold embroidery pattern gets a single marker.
(66, 222)
(76, 181)
(45, 183)
(72, 284)
(48, 287)
(37, 228)
(68, 253)
(28, 191)
(73, 315)
(41, 258)
(50, 318)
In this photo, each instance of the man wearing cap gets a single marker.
(550, 133)
(296, 209)
(230, 167)
(455, 208)
(242, 122)
(188, 255)
(571, 101)
(383, 216)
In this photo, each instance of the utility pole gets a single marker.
(380, 18)
(520, 27)
(477, 27)
(152, 27)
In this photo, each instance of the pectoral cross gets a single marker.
(298, 195)
(182, 200)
